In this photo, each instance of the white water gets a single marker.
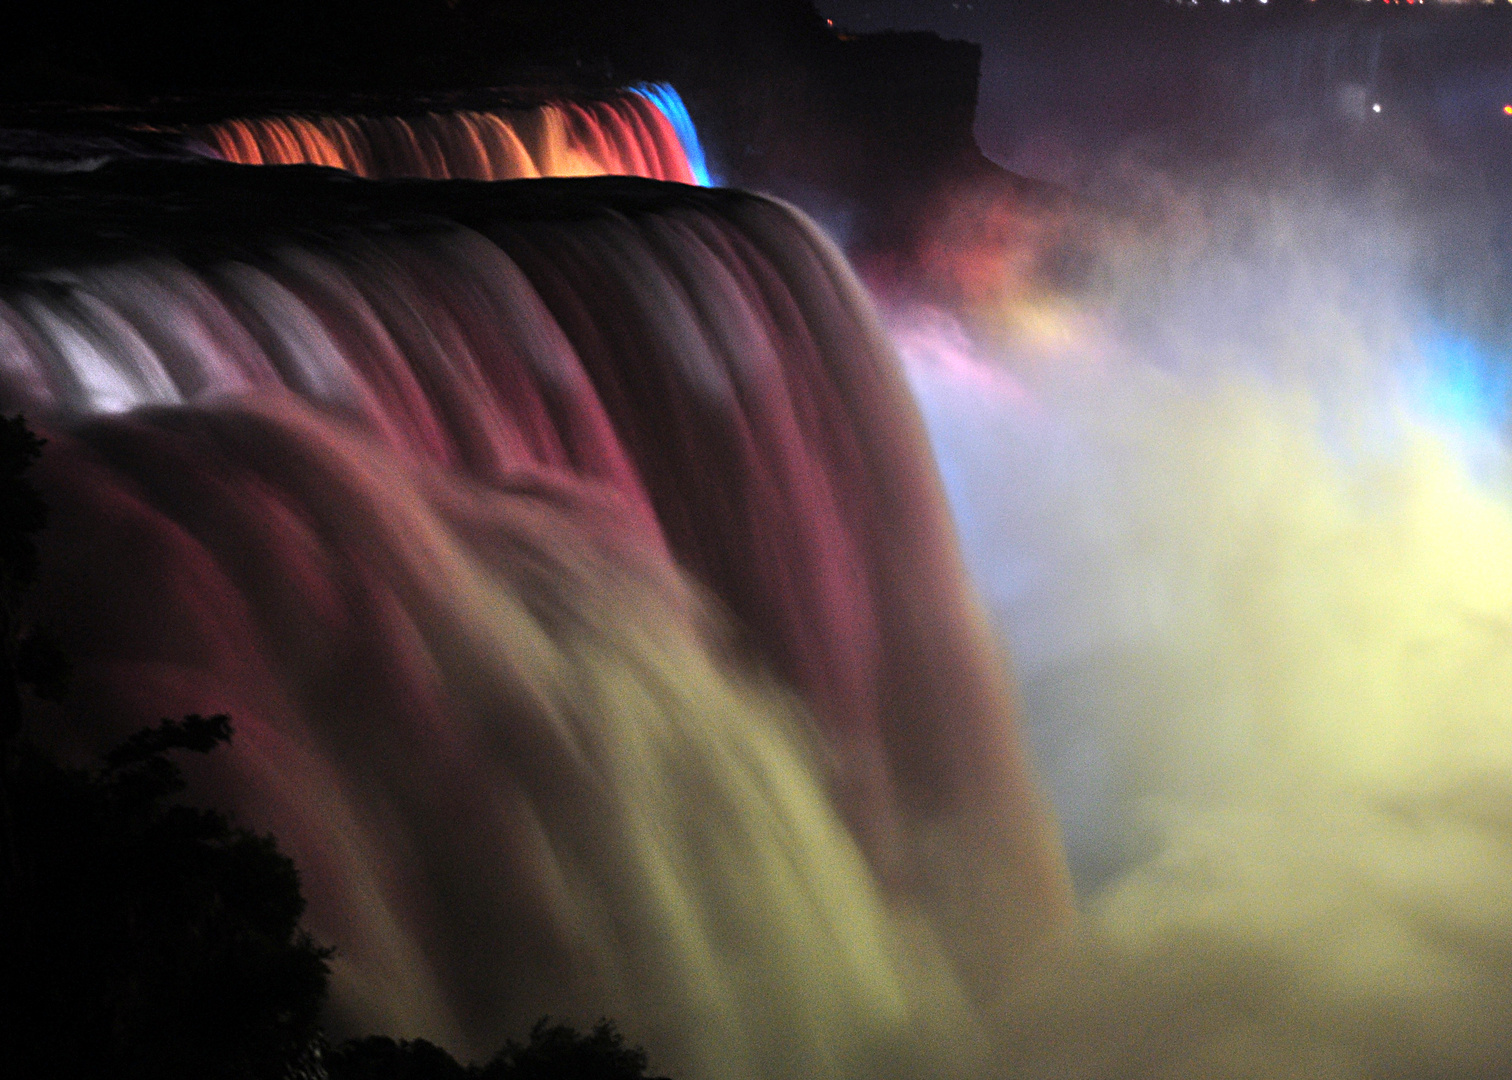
(1239, 510)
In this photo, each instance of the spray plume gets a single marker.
(1239, 503)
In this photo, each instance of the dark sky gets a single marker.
(950, 19)
(1085, 76)
(979, 18)
(1027, 52)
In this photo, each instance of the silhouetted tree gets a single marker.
(139, 938)
(553, 1051)
(557, 1052)
(27, 657)
(379, 1058)
(144, 938)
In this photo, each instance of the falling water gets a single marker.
(642, 132)
(573, 562)
(571, 559)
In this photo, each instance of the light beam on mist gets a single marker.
(1248, 537)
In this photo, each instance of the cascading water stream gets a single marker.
(641, 132)
(572, 560)
(392, 473)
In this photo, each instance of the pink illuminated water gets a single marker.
(586, 601)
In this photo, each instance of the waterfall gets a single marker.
(641, 132)
(571, 559)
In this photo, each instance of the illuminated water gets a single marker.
(642, 132)
(397, 475)
(1240, 505)
(573, 561)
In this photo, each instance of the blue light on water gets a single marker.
(666, 99)
(1464, 386)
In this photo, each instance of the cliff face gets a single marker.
(857, 129)
(915, 88)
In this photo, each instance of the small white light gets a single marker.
(1376, 107)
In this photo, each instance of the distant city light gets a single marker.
(1507, 109)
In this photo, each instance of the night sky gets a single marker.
(1083, 77)
(943, 17)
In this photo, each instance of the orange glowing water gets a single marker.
(625, 135)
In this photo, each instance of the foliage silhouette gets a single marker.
(143, 938)
(557, 1052)
(28, 658)
(554, 1051)
(138, 937)
(379, 1058)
